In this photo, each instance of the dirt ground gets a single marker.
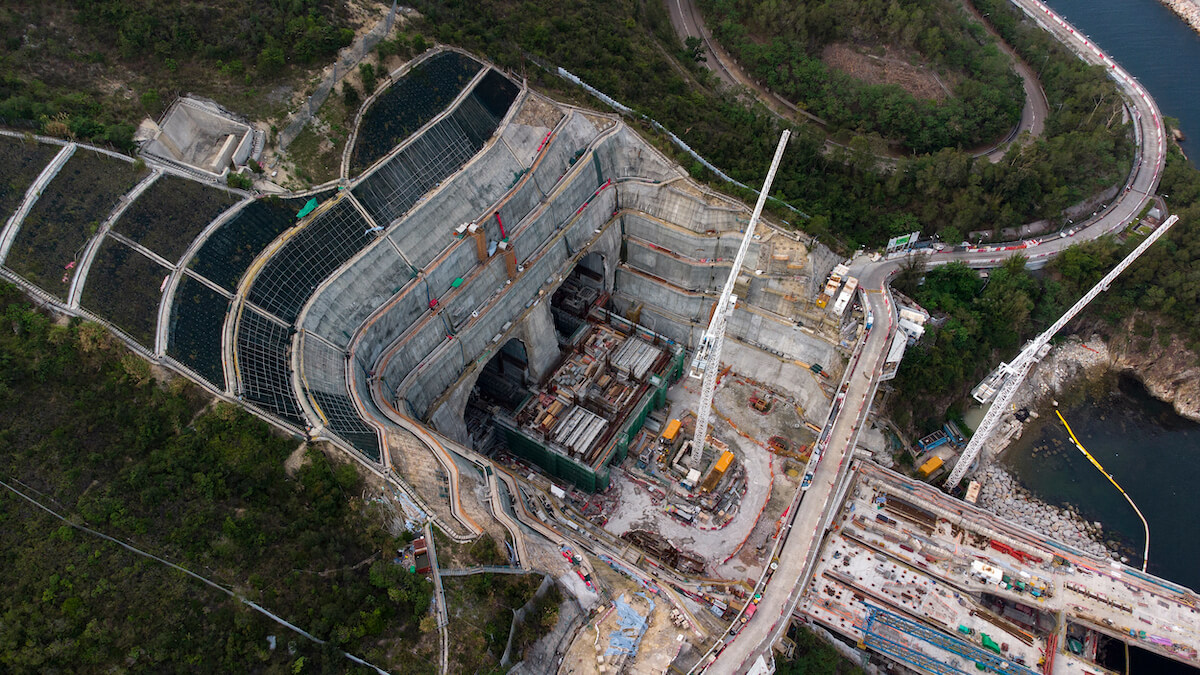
(891, 66)
(731, 549)
(538, 113)
(660, 643)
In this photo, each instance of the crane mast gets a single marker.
(1033, 352)
(707, 361)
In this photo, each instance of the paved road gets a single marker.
(688, 22)
(1036, 109)
(783, 591)
(784, 588)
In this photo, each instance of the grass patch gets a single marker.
(481, 614)
(814, 656)
(539, 621)
(122, 286)
(316, 156)
(483, 551)
(170, 213)
(20, 163)
(67, 214)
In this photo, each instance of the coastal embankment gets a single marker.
(1082, 367)
(1069, 363)
(1188, 10)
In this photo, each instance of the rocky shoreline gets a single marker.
(1003, 495)
(1188, 10)
(1065, 366)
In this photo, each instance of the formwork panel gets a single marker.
(398, 318)
(533, 234)
(569, 143)
(458, 264)
(195, 332)
(124, 287)
(692, 307)
(625, 154)
(473, 294)
(682, 241)
(325, 383)
(514, 209)
(691, 276)
(685, 210)
(170, 213)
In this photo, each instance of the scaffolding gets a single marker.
(878, 640)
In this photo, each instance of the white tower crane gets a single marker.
(1016, 371)
(707, 361)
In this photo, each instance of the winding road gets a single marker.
(688, 22)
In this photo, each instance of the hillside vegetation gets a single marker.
(782, 45)
(91, 69)
(86, 429)
(987, 322)
(629, 50)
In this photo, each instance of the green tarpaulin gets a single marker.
(308, 208)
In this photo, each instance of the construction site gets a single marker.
(530, 323)
(927, 581)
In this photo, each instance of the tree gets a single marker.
(271, 61)
(350, 95)
(366, 71)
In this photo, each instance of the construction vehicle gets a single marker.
(707, 360)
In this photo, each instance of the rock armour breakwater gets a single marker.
(1004, 496)
(1188, 10)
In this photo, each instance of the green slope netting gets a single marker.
(293, 273)
(123, 287)
(263, 347)
(194, 338)
(68, 213)
(391, 191)
(170, 213)
(20, 164)
(408, 104)
(227, 253)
